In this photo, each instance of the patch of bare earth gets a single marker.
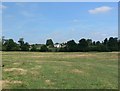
(19, 70)
(76, 71)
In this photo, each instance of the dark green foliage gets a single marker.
(54, 49)
(33, 48)
(21, 41)
(10, 45)
(119, 45)
(63, 49)
(49, 43)
(23, 46)
(44, 48)
(0, 45)
(71, 46)
(112, 44)
(89, 41)
(93, 43)
(84, 45)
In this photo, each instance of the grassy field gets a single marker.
(36, 70)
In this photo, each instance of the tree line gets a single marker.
(83, 45)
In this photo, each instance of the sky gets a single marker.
(61, 21)
(60, 0)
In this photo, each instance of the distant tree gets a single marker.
(113, 44)
(83, 45)
(71, 46)
(33, 48)
(105, 44)
(21, 41)
(98, 46)
(118, 44)
(98, 43)
(44, 48)
(94, 43)
(89, 41)
(90, 45)
(10, 45)
(23, 46)
(105, 41)
(3, 40)
(49, 43)
(26, 47)
(0, 44)
(63, 47)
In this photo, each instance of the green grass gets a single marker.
(36, 70)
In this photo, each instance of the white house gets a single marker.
(57, 45)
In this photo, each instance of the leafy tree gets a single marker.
(44, 48)
(89, 41)
(118, 44)
(26, 47)
(94, 43)
(105, 44)
(3, 39)
(0, 44)
(113, 44)
(83, 45)
(10, 45)
(71, 46)
(21, 41)
(23, 46)
(105, 41)
(49, 43)
(33, 48)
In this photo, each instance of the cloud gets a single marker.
(102, 9)
(3, 7)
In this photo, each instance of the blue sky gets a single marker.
(37, 22)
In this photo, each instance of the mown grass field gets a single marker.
(36, 70)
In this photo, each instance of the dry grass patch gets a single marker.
(34, 73)
(36, 56)
(19, 70)
(6, 83)
(49, 82)
(78, 56)
(76, 71)
(16, 63)
(44, 61)
(37, 67)
(67, 63)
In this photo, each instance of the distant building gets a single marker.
(57, 45)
